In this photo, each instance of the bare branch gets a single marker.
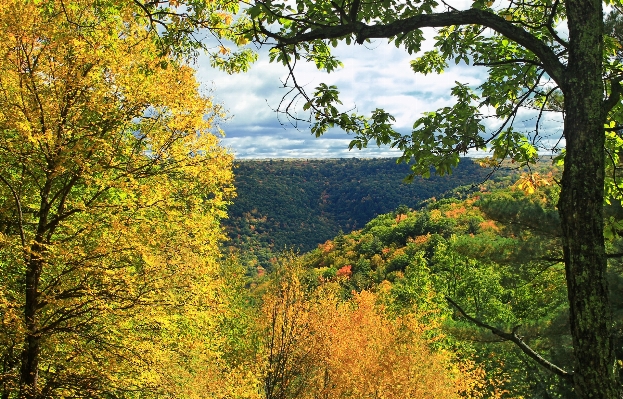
(541, 111)
(516, 339)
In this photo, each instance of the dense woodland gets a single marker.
(298, 204)
(121, 275)
(496, 255)
(491, 254)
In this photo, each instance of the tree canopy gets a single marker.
(318, 345)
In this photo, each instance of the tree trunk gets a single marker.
(29, 371)
(581, 204)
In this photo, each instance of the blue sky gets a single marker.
(375, 75)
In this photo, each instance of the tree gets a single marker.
(112, 185)
(368, 354)
(319, 346)
(505, 272)
(532, 62)
(179, 29)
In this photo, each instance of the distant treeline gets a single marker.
(301, 203)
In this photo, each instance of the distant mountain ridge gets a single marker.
(300, 203)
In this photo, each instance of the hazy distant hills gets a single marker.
(301, 203)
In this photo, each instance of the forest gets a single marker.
(139, 259)
(297, 204)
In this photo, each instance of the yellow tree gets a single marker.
(368, 354)
(111, 190)
(319, 346)
(291, 352)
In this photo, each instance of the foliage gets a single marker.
(112, 188)
(542, 58)
(301, 203)
(182, 29)
(496, 253)
(320, 346)
(517, 77)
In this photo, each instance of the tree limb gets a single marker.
(550, 25)
(615, 94)
(516, 339)
(551, 63)
(20, 214)
(510, 61)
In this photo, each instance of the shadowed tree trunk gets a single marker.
(581, 204)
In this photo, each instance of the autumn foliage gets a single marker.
(112, 185)
(319, 346)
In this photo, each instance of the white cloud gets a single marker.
(375, 75)
(271, 146)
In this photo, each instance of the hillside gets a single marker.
(495, 254)
(302, 203)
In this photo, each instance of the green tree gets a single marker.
(550, 55)
(506, 272)
(179, 29)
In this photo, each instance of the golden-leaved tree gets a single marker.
(111, 190)
(320, 346)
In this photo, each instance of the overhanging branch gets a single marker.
(516, 339)
(551, 63)
(615, 94)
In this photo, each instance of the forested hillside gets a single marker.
(300, 203)
(497, 255)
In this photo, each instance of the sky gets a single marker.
(374, 75)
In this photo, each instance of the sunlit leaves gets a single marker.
(531, 182)
(234, 62)
(438, 138)
(317, 345)
(112, 188)
(514, 145)
(431, 61)
(411, 41)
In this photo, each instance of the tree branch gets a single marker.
(341, 11)
(615, 94)
(510, 61)
(541, 110)
(516, 339)
(554, 68)
(20, 214)
(550, 25)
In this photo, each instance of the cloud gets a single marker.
(270, 146)
(375, 75)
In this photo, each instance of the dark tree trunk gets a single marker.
(581, 204)
(29, 370)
